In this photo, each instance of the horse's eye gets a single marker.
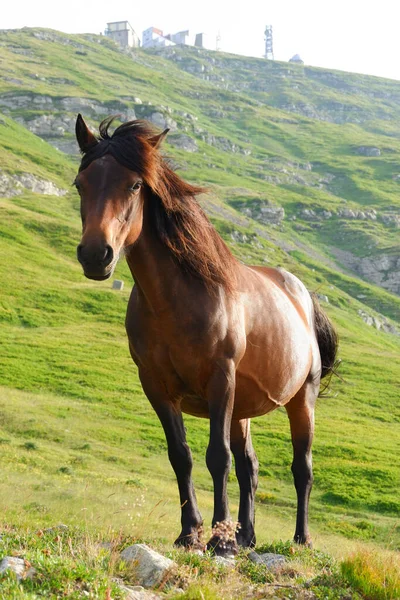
(77, 185)
(135, 187)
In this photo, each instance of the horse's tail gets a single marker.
(327, 338)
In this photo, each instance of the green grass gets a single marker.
(376, 577)
(80, 443)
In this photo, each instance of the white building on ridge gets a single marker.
(122, 33)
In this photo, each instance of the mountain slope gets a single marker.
(73, 415)
(336, 196)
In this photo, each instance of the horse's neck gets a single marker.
(153, 269)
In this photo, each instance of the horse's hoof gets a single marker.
(191, 542)
(303, 540)
(245, 541)
(221, 547)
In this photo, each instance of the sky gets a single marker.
(351, 35)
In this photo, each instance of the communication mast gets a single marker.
(218, 41)
(269, 48)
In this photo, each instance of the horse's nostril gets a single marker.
(79, 252)
(108, 255)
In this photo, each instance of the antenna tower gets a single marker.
(218, 41)
(269, 48)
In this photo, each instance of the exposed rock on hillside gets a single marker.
(382, 269)
(380, 323)
(263, 211)
(224, 144)
(368, 151)
(184, 142)
(14, 185)
(391, 219)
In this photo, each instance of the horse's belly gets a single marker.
(251, 399)
(195, 406)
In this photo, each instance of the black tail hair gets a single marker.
(327, 339)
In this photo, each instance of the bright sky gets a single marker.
(351, 35)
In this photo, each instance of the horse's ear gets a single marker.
(157, 140)
(84, 136)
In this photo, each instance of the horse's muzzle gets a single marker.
(97, 261)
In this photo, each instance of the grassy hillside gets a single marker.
(79, 442)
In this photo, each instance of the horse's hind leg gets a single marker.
(301, 415)
(246, 465)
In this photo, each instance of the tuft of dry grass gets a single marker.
(375, 575)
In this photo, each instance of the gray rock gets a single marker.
(162, 121)
(150, 567)
(69, 146)
(368, 151)
(17, 566)
(391, 219)
(86, 105)
(224, 561)
(380, 324)
(308, 214)
(323, 298)
(183, 141)
(14, 185)
(273, 562)
(263, 211)
(137, 592)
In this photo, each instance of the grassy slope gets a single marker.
(78, 439)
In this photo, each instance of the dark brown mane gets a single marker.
(178, 220)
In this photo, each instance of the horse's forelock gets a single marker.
(130, 145)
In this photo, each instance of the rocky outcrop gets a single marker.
(14, 185)
(224, 144)
(262, 211)
(380, 323)
(391, 219)
(49, 125)
(183, 142)
(163, 121)
(367, 151)
(348, 213)
(382, 269)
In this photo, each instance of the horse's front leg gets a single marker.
(220, 396)
(180, 457)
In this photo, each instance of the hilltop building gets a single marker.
(296, 59)
(122, 33)
(201, 40)
(154, 38)
(182, 37)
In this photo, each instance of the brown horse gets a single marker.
(211, 337)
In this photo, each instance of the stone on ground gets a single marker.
(150, 567)
(17, 566)
(224, 561)
(272, 561)
(137, 592)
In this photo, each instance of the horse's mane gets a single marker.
(177, 218)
